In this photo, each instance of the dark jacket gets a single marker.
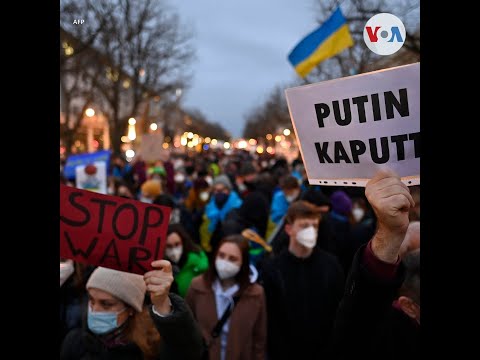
(367, 325)
(302, 298)
(181, 339)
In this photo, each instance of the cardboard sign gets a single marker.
(349, 128)
(111, 231)
(92, 177)
(84, 159)
(151, 148)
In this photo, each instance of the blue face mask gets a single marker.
(100, 322)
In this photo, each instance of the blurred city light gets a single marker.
(269, 136)
(132, 135)
(286, 132)
(214, 142)
(207, 140)
(69, 50)
(252, 142)
(165, 145)
(260, 149)
(183, 141)
(190, 135)
(125, 139)
(132, 121)
(153, 126)
(278, 138)
(226, 145)
(89, 112)
(206, 147)
(130, 153)
(242, 144)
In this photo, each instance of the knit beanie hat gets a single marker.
(224, 180)
(151, 188)
(341, 202)
(316, 197)
(128, 287)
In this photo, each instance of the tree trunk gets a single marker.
(68, 138)
(115, 139)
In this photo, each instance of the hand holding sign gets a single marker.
(158, 283)
(391, 201)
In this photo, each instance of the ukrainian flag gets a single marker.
(328, 40)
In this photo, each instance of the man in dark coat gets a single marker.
(379, 316)
(303, 286)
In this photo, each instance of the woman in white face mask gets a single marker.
(187, 258)
(226, 286)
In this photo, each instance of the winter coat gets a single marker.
(367, 325)
(248, 323)
(196, 264)
(302, 297)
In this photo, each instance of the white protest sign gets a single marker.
(92, 177)
(351, 127)
(151, 148)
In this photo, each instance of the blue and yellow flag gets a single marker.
(328, 40)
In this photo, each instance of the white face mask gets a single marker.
(226, 269)
(358, 214)
(204, 195)
(291, 197)
(146, 200)
(179, 178)
(174, 254)
(209, 180)
(307, 237)
(110, 190)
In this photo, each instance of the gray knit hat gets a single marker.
(224, 180)
(130, 288)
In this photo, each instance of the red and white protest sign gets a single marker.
(111, 231)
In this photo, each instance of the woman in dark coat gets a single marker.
(120, 326)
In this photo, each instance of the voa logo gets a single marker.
(384, 34)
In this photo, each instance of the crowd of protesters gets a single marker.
(258, 264)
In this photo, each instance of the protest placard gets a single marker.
(92, 177)
(151, 148)
(349, 128)
(84, 159)
(111, 231)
